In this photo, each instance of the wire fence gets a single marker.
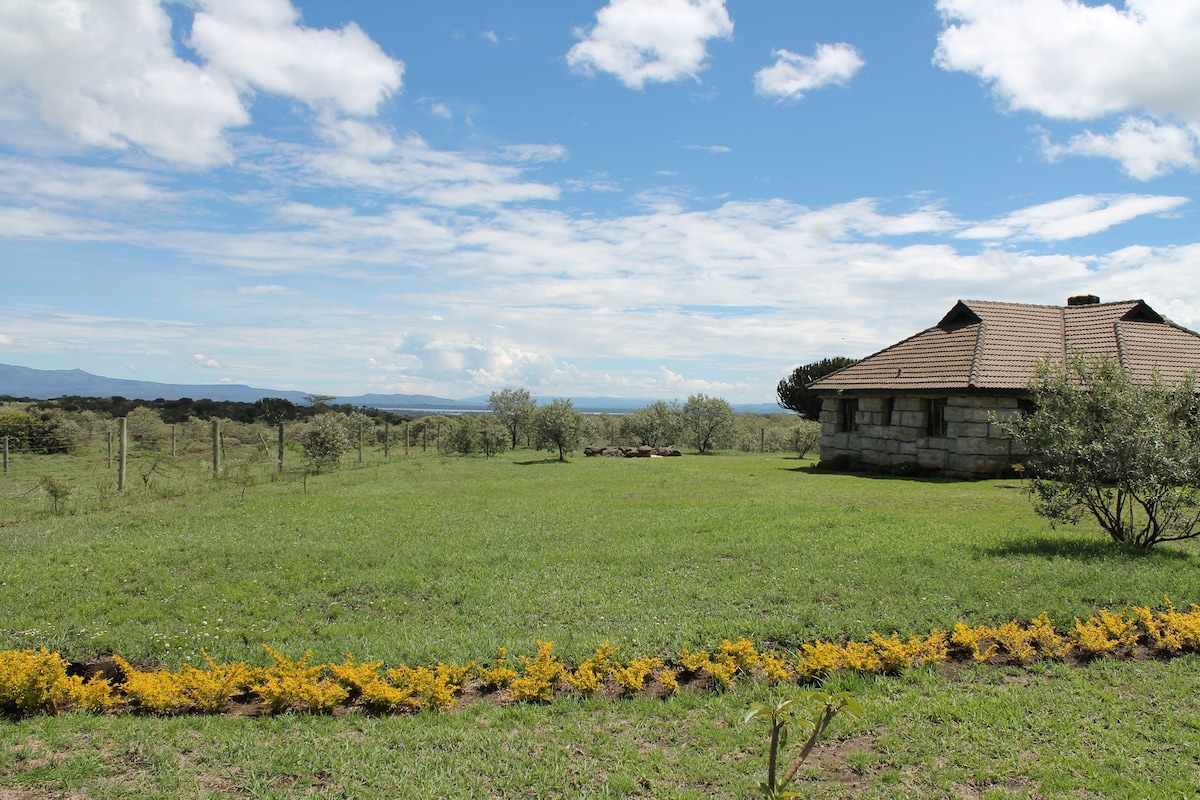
(37, 481)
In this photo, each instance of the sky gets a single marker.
(638, 198)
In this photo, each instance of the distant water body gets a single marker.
(449, 412)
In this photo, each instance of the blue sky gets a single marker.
(639, 198)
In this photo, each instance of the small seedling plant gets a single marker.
(781, 715)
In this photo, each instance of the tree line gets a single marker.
(324, 433)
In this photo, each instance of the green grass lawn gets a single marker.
(431, 558)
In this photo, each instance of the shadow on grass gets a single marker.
(550, 460)
(813, 469)
(1099, 549)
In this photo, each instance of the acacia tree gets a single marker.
(655, 425)
(275, 410)
(1126, 453)
(514, 408)
(793, 392)
(559, 425)
(707, 419)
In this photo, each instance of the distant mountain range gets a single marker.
(47, 384)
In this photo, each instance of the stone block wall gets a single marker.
(887, 431)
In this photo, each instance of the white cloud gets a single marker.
(1074, 61)
(265, 288)
(792, 75)
(1072, 217)
(260, 44)
(1144, 148)
(650, 40)
(709, 148)
(5, 341)
(490, 36)
(36, 223)
(369, 157)
(441, 110)
(56, 182)
(1069, 60)
(204, 361)
(106, 73)
(534, 153)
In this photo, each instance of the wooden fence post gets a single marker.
(5, 455)
(122, 441)
(360, 442)
(281, 445)
(216, 442)
(387, 435)
(110, 448)
(172, 441)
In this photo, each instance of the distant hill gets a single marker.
(47, 384)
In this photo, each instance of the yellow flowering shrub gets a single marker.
(896, 654)
(1092, 637)
(589, 676)
(356, 676)
(694, 662)
(933, 649)
(373, 689)
(818, 658)
(1181, 627)
(94, 695)
(455, 675)
(775, 668)
(1049, 642)
(158, 691)
(536, 681)
(861, 657)
(1158, 633)
(720, 668)
(32, 680)
(295, 684)
(497, 676)
(633, 677)
(1016, 641)
(1120, 628)
(669, 680)
(423, 687)
(208, 690)
(742, 652)
(973, 639)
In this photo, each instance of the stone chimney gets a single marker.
(1083, 300)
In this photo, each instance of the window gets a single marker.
(889, 409)
(935, 424)
(850, 415)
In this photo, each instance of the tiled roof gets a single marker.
(983, 345)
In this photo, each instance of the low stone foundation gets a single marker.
(895, 434)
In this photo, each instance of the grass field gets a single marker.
(431, 558)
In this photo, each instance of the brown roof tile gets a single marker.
(989, 346)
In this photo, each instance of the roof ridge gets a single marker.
(1062, 330)
(978, 356)
(1049, 305)
(1124, 362)
(1004, 303)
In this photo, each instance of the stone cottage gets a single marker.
(929, 399)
